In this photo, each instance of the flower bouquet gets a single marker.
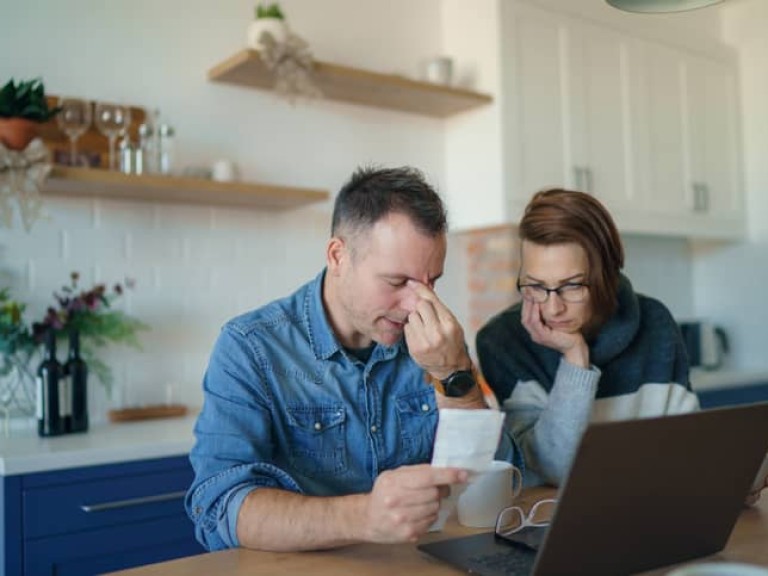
(87, 311)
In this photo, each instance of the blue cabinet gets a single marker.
(735, 395)
(95, 519)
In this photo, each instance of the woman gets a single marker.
(582, 346)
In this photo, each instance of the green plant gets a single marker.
(16, 342)
(269, 11)
(87, 311)
(25, 100)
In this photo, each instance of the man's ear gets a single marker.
(336, 255)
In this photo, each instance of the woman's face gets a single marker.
(554, 266)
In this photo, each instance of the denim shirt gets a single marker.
(286, 407)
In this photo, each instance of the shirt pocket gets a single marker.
(316, 437)
(417, 417)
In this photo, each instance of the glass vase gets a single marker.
(17, 388)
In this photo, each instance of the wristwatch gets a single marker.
(459, 383)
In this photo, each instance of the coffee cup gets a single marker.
(487, 493)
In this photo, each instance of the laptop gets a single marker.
(641, 494)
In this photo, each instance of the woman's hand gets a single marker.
(571, 345)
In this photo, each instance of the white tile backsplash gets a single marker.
(191, 277)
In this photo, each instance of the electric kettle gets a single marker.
(706, 344)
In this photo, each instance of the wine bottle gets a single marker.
(77, 373)
(51, 381)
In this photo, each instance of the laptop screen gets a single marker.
(646, 493)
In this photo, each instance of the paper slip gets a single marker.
(464, 439)
(467, 438)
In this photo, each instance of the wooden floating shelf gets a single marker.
(93, 182)
(358, 86)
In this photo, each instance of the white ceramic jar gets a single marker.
(274, 26)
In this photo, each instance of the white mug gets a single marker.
(224, 171)
(488, 493)
(439, 70)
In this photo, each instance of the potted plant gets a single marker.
(269, 20)
(22, 108)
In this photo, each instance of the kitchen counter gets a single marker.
(23, 451)
(702, 380)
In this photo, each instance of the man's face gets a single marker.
(369, 299)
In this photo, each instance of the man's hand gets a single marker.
(571, 345)
(434, 336)
(404, 502)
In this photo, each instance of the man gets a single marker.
(319, 413)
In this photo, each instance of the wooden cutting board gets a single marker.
(147, 412)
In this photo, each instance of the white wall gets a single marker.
(196, 266)
(662, 268)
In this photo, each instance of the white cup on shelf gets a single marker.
(439, 70)
(224, 171)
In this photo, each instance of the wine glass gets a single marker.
(112, 120)
(74, 119)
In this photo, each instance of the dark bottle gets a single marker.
(51, 397)
(77, 373)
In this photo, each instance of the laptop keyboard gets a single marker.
(512, 561)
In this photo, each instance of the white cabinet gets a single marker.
(650, 129)
(660, 150)
(533, 100)
(568, 102)
(687, 154)
(597, 72)
(713, 167)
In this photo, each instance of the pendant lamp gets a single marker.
(658, 6)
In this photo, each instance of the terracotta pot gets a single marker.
(17, 133)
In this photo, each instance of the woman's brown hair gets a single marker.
(560, 216)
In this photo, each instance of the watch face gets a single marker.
(459, 384)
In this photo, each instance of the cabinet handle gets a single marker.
(696, 196)
(115, 504)
(577, 177)
(704, 198)
(590, 188)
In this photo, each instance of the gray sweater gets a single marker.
(639, 369)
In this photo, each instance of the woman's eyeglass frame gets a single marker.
(571, 292)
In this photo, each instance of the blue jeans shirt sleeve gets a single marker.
(233, 449)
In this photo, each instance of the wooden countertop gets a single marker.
(748, 543)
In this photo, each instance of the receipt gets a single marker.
(467, 438)
(464, 439)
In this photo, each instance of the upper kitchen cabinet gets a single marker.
(687, 154)
(713, 167)
(658, 113)
(650, 129)
(566, 105)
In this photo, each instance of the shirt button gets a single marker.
(318, 426)
(373, 428)
(425, 407)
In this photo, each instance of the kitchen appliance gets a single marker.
(706, 343)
